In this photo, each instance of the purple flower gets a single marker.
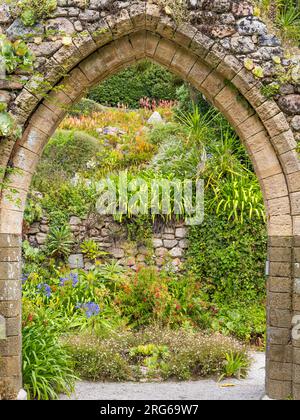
(73, 279)
(25, 278)
(91, 309)
(45, 288)
(63, 280)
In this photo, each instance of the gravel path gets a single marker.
(252, 388)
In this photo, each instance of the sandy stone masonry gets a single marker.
(85, 42)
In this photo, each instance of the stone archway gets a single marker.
(214, 49)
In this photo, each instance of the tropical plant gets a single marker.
(198, 124)
(59, 242)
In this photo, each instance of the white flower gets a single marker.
(91, 164)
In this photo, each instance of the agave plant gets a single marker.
(199, 125)
(59, 243)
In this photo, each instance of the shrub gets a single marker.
(85, 107)
(66, 153)
(33, 211)
(91, 250)
(142, 80)
(177, 158)
(96, 361)
(162, 353)
(69, 200)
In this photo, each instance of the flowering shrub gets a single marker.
(154, 353)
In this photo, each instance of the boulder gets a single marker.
(157, 243)
(117, 252)
(155, 119)
(75, 221)
(76, 261)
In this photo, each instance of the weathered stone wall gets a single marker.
(224, 26)
(165, 248)
(225, 52)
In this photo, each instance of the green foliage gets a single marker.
(198, 124)
(129, 86)
(92, 250)
(47, 367)
(32, 11)
(85, 107)
(229, 258)
(97, 362)
(8, 126)
(237, 365)
(178, 157)
(66, 153)
(32, 255)
(69, 200)
(59, 242)
(239, 198)
(288, 20)
(139, 228)
(16, 55)
(269, 91)
(33, 211)
(285, 14)
(246, 322)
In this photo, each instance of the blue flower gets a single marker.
(63, 280)
(91, 309)
(72, 279)
(25, 278)
(45, 288)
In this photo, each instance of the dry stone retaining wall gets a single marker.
(166, 248)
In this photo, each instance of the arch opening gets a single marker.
(260, 124)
